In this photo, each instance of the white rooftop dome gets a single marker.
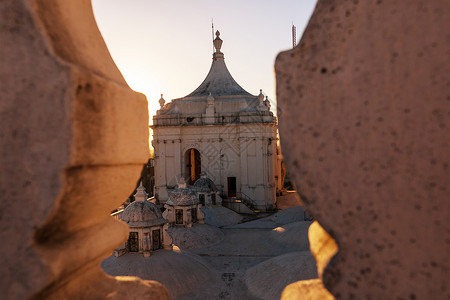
(182, 197)
(142, 213)
(219, 81)
(220, 91)
(205, 183)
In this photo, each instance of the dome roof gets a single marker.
(142, 213)
(183, 197)
(227, 95)
(204, 183)
(219, 81)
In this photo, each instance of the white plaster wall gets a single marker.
(233, 150)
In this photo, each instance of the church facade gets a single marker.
(222, 131)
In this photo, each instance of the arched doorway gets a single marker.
(193, 165)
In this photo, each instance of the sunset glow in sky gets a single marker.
(165, 47)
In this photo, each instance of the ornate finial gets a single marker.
(261, 101)
(182, 183)
(261, 96)
(141, 194)
(162, 101)
(217, 41)
(267, 102)
(210, 99)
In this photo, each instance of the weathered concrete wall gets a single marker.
(366, 96)
(67, 120)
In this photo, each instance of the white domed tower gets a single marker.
(146, 226)
(183, 207)
(222, 130)
(207, 192)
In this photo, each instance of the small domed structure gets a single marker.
(142, 213)
(205, 183)
(183, 197)
(146, 226)
(183, 207)
(208, 193)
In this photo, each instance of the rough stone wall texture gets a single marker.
(366, 96)
(323, 247)
(67, 118)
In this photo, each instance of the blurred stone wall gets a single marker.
(366, 94)
(67, 118)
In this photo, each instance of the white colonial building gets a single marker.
(224, 131)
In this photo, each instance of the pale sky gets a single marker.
(165, 47)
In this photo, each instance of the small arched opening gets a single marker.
(193, 165)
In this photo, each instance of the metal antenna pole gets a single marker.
(294, 36)
(212, 30)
